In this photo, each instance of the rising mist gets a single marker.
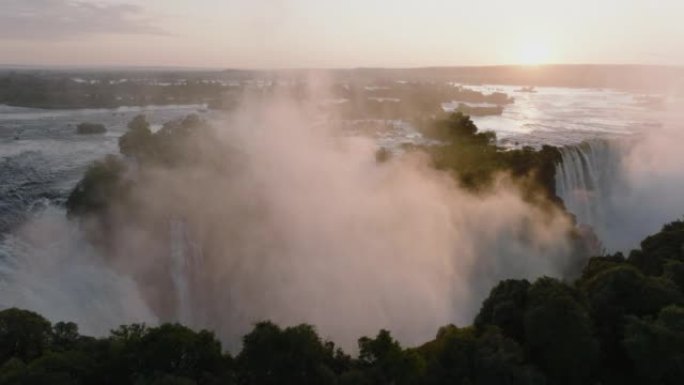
(283, 217)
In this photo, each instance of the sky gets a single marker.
(339, 33)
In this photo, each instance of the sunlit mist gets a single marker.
(326, 192)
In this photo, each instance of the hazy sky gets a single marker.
(339, 33)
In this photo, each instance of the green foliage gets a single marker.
(385, 362)
(391, 100)
(128, 334)
(181, 142)
(41, 89)
(178, 351)
(596, 265)
(615, 292)
(137, 141)
(57, 368)
(458, 128)
(674, 271)
(176, 143)
(657, 249)
(558, 332)
(666, 244)
(619, 324)
(105, 183)
(460, 356)
(64, 336)
(505, 308)
(624, 290)
(295, 355)
(135, 354)
(475, 159)
(102, 185)
(500, 360)
(23, 335)
(656, 346)
(12, 371)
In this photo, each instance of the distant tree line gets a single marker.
(62, 91)
(410, 100)
(385, 100)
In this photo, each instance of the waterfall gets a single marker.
(48, 266)
(186, 255)
(587, 178)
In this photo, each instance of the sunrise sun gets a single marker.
(534, 53)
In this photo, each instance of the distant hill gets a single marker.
(620, 76)
(642, 77)
(62, 87)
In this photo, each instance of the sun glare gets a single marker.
(535, 53)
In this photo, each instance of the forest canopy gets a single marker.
(621, 322)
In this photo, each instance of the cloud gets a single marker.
(64, 19)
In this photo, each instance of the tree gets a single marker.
(385, 362)
(464, 356)
(559, 333)
(23, 334)
(64, 336)
(295, 355)
(505, 308)
(457, 126)
(137, 141)
(614, 293)
(674, 271)
(179, 351)
(656, 346)
(101, 186)
(658, 249)
(59, 368)
(449, 356)
(499, 360)
(596, 265)
(667, 243)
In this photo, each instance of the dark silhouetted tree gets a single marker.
(505, 308)
(558, 333)
(23, 335)
(656, 346)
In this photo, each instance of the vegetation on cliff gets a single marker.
(475, 159)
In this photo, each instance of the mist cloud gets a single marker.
(286, 219)
(301, 224)
(650, 190)
(48, 265)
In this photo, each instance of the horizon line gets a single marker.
(171, 67)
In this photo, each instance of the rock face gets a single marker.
(90, 128)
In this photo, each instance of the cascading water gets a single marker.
(587, 179)
(185, 256)
(47, 266)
